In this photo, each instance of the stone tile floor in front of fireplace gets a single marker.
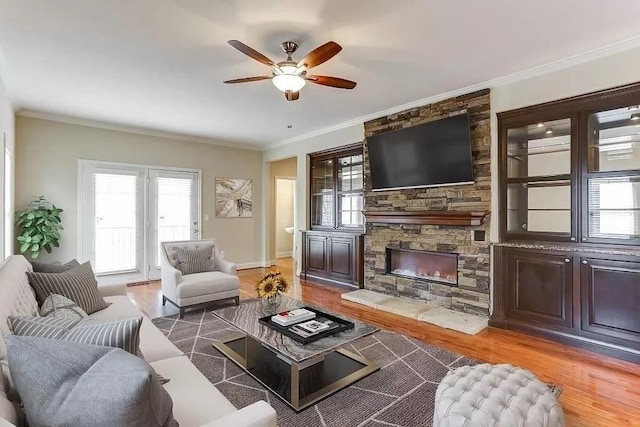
(430, 313)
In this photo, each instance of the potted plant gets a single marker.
(40, 226)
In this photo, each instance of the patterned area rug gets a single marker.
(401, 393)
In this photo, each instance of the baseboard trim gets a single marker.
(257, 264)
(284, 254)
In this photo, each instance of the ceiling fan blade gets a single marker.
(292, 96)
(332, 81)
(251, 52)
(320, 54)
(248, 79)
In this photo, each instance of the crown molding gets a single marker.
(34, 114)
(571, 61)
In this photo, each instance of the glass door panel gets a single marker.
(614, 207)
(322, 214)
(114, 213)
(350, 210)
(614, 140)
(322, 177)
(541, 149)
(174, 212)
(542, 207)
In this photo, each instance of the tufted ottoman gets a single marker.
(495, 395)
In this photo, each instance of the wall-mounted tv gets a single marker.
(427, 155)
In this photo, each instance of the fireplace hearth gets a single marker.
(423, 265)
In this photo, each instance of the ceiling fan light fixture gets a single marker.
(288, 82)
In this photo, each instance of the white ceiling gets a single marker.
(160, 64)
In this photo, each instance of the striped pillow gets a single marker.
(58, 306)
(78, 284)
(194, 260)
(119, 333)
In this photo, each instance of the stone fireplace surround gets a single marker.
(439, 235)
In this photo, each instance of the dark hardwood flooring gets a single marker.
(598, 390)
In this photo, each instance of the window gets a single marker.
(337, 192)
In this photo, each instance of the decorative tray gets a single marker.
(341, 325)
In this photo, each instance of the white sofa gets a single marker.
(196, 402)
(198, 289)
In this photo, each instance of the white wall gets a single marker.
(301, 150)
(7, 131)
(47, 154)
(285, 192)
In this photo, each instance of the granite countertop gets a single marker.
(565, 247)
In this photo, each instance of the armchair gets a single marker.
(197, 289)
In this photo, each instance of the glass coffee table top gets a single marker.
(299, 374)
(245, 317)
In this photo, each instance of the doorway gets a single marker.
(285, 192)
(127, 210)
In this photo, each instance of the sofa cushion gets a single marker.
(194, 285)
(196, 400)
(44, 267)
(192, 261)
(61, 307)
(153, 344)
(78, 284)
(18, 298)
(120, 333)
(73, 383)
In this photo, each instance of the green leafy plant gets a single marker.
(40, 227)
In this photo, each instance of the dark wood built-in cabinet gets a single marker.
(333, 248)
(333, 257)
(568, 262)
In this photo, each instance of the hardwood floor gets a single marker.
(598, 390)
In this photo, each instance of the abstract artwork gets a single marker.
(233, 198)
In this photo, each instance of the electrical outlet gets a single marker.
(223, 253)
(206, 217)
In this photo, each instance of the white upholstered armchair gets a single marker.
(214, 280)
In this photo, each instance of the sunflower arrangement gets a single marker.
(272, 284)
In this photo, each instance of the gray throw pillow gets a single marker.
(61, 307)
(44, 267)
(120, 333)
(192, 261)
(78, 284)
(70, 384)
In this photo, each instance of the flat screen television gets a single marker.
(427, 155)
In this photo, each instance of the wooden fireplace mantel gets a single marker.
(461, 218)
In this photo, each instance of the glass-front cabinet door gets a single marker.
(350, 191)
(538, 173)
(337, 190)
(612, 178)
(322, 189)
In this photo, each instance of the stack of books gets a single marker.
(288, 318)
(312, 327)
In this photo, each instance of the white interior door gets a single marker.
(174, 213)
(113, 221)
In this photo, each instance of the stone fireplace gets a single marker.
(438, 221)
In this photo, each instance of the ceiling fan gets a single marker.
(290, 76)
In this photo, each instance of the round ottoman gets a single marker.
(495, 395)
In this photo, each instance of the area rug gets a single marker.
(401, 393)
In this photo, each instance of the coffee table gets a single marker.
(298, 374)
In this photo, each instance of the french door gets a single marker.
(127, 210)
